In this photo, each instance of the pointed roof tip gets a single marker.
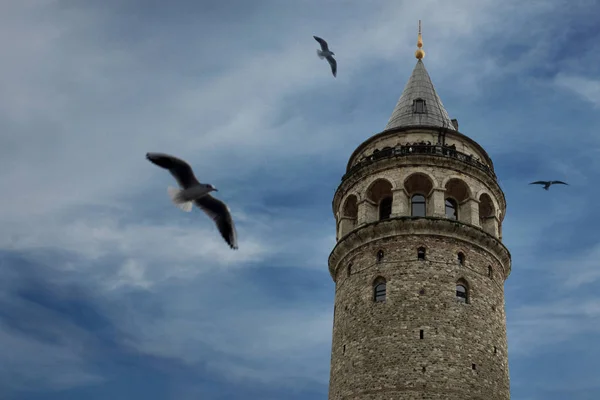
(409, 112)
(420, 53)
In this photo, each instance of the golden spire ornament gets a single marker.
(420, 53)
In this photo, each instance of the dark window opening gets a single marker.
(422, 291)
(473, 366)
(421, 253)
(495, 350)
(451, 209)
(421, 334)
(417, 206)
(344, 350)
(379, 291)
(419, 106)
(380, 256)
(461, 259)
(349, 269)
(490, 272)
(424, 369)
(385, 208)
(461, 293)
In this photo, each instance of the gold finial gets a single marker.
(420, 53)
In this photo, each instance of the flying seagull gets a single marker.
(193, 191)
(547, 184)
(326, 53)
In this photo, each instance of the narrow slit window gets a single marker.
(421, 334)
(419, 106)
(417, 206)
(349, 269)
(462, 294)
(451, 208)
(421, 253)
(461, 259)
(490, 272)
(379, 290)
(380, 256)
(385, 208)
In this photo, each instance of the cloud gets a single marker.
(90, 87)
(559, 320)
(587, 89)
(29, 363)
(44, 348)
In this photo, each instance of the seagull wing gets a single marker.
(333, 64)
(181, 171)
(561, 182)
(538, 183)
(219, 213)
(323, 43)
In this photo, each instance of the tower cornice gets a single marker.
(418, 159)
(415, 226)
(407, 129)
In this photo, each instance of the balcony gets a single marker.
(409, 150)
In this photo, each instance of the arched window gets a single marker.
(385, 208)
(490, 272)
(461, 259)
(380, 256)
(451, 209)
(349, 215)
(379, 286)
(419, 106)
(417, 204)
(462, 293)
(421, 253)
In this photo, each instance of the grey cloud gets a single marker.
(86, 95)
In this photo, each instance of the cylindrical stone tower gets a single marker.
(419, 264)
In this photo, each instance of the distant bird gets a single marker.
(193, 191)
(547, 184)
(326, 53)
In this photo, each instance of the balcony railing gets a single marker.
(408, 150)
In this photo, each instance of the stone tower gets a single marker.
(419, 265)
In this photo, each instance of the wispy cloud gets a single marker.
(236, 89)
(587, 89)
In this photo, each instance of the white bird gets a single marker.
(193, 191)
(326, 53)
(547, 184)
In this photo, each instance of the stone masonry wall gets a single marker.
(377, 352)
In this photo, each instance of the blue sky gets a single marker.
(109, 291)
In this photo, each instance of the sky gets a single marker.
(109, 291)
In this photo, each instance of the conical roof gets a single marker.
(409, 113)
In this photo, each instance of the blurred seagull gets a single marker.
(547, 184)
(193, 191)
(326, 53)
